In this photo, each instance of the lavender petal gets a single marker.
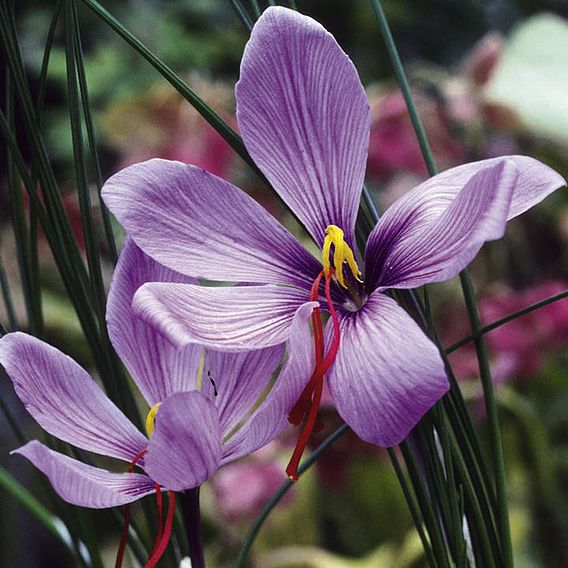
(185, 448)
(200, 225)
(427, 237)
(387, 373)
(237, 318)
(271, 417)
(65, 400)
(305, 119)
(83, 485)
(158, 367)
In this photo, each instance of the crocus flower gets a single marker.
(304, 118)
(197, 400)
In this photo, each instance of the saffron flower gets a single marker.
(201, 404)
(304, 118)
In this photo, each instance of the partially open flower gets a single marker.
(201, 403)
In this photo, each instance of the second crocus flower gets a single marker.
(201, 403)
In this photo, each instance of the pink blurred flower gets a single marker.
(393, 145)
(530, 338)
(483, 57)
(519, 348)
(242, 488)
(161, 124)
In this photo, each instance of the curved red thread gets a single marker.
(334, 346)
(160, 549)
(302, 406)
(316, 320)
(124, 535)
(303, 438)
(160, 526)
(309, 401)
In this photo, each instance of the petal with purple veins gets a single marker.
(65, 400)
(158, 367)
(271, 417)
(236, 318)
(424, 237)
(238, 380)
(387, 374)
(412, 218)
(185, 448)
(535, 182)
(200, 225)
(305, 119)
(84, 485)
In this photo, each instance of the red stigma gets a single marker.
(164, 530)
(162, 543)
(307, 405)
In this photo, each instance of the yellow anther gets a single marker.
(151, 419)
(342, 253)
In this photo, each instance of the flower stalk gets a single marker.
(189, 501)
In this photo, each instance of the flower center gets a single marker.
(341, 253)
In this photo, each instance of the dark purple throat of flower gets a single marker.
(164, 529)
(307, 406)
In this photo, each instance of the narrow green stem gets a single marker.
(414, 511)
(426, 506)
(91, 137)
(255, 8)
(93, 260)
(19, 225)
(10, 418)
(284, 488)
(242, 14)
(405, 87)
(493, 422)
(484, 547)
(7, 297)
(498, 323)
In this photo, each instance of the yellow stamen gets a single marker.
(342, 253)
(200, 369)
(151, 419)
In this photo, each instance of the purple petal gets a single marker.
(238, 318)
(271, 417)
(411, 220)
(387, 373)
(200, 225)
(536, 180)
(305, 118)
(65, 400)
(426, 237)
(84, 485)
(158, 367)
(239, 380)
(185, 448)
